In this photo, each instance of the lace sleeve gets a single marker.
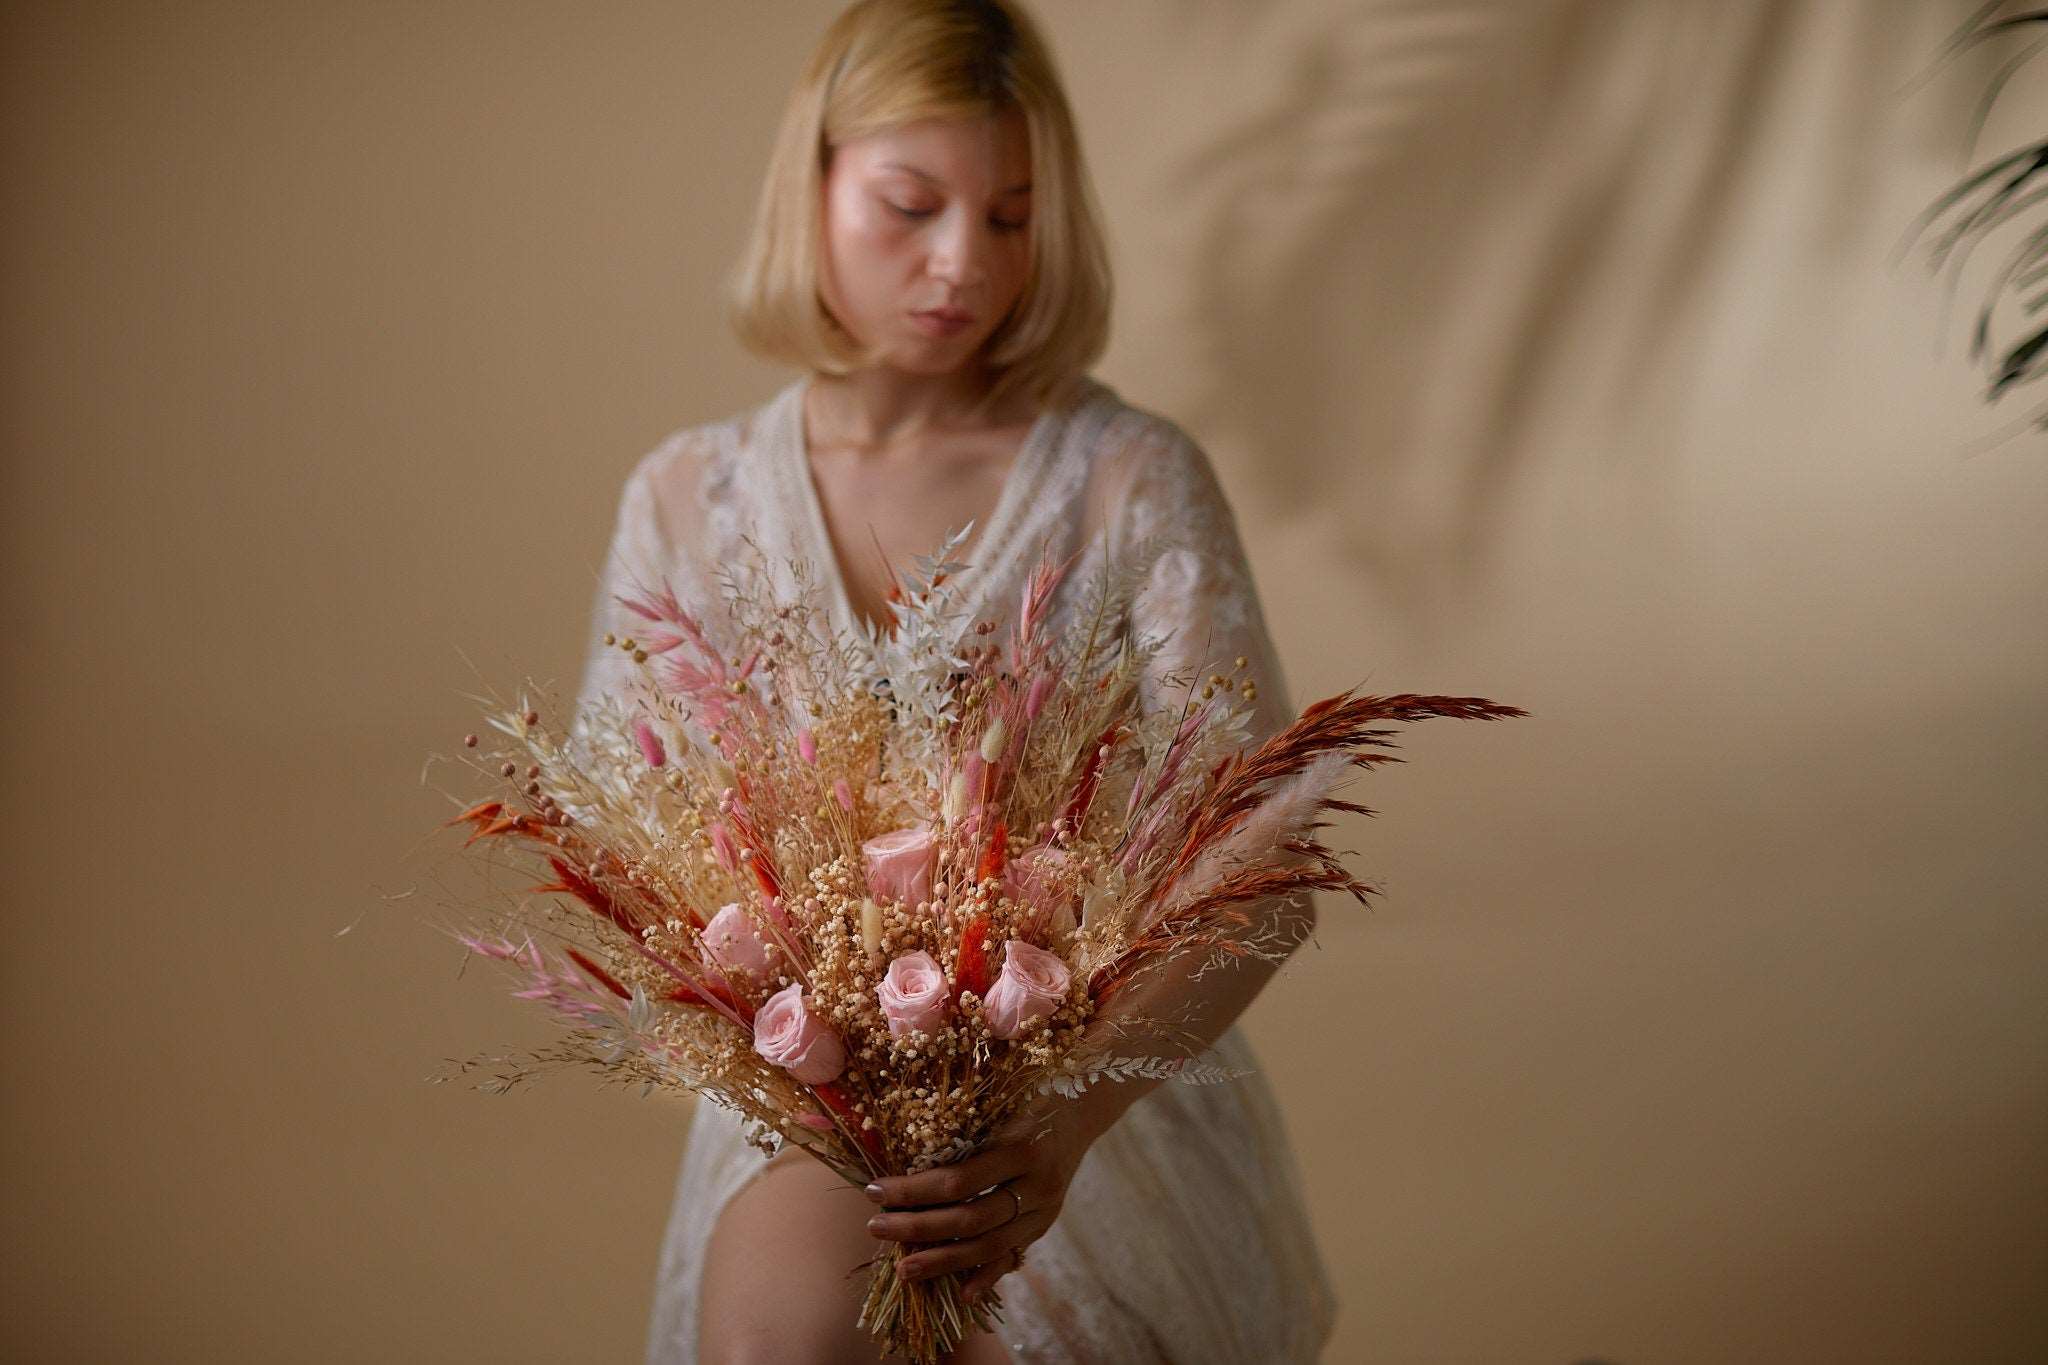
(1196, 588)
(607, 669)
(661, 517)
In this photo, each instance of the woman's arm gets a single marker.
(1202, 1009)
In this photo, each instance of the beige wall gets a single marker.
(1549, 351)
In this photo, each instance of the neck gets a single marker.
(881, 406)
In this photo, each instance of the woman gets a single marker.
(927, 252)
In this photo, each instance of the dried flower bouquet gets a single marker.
(869, 893)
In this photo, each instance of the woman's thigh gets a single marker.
(785, 1273)
(783, 1276)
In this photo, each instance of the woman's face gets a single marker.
(930, 217)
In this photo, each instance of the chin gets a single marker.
(934, 360)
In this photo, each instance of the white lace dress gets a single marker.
(1183, 1237)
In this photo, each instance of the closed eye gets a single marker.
(998, 224)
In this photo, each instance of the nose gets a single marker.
(958, 253)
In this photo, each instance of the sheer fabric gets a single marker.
(1183, 1237)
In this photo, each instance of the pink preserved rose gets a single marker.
(899, 864)
(798, 1041)
(732, 941)
(1031, 986)
(914, 994)
(1039, 877)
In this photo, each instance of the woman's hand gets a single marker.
(1029, 1162)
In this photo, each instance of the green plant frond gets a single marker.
(2023, 364)
(1982, 230)
(2031, 249)
(1959, 38)
(1980, 219)
(1968, 31)
(1958, 192)
(1999, 80)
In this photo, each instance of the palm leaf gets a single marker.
(2019, 367)
(2005, 190)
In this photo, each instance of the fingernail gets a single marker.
(875, 1225)
(874, 1192)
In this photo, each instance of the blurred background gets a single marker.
(1558, 351)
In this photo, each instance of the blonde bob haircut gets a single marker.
(884, 63)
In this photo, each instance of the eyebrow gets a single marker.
(928, 176)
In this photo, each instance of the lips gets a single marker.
(942, 322)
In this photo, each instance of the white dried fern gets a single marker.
(920, 657)
(1069, 1082)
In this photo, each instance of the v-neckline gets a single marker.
(819, 549)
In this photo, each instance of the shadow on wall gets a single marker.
(1443, 238)
(1311, 291)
